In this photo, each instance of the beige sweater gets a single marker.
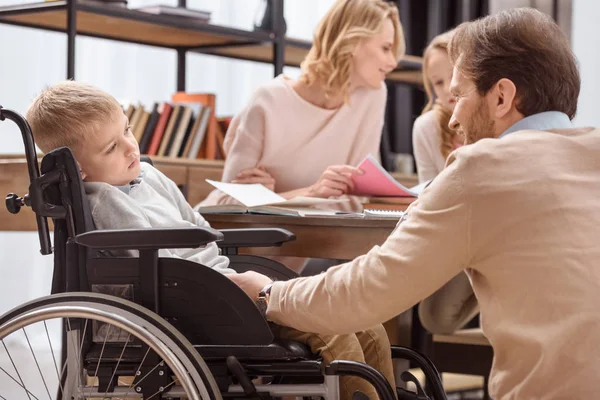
(426, 147)
(522, 215)
(295, 140)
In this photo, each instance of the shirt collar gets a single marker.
(127, 188)
(541, 121)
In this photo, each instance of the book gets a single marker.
(193, 134)
(149, 129)
(374, 212)
(179, 134)
(182, 142)
(198, 138)
(376, 181)
(140, 125)
(267, 210)
(160, 129)
(176, 120)
(210, 137)
(169, 130)
(257, 199)
(199, 15)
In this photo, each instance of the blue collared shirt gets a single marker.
(541, 122)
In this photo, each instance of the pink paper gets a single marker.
(376, 181)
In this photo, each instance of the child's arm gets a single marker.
(210, 256)
(113, 209)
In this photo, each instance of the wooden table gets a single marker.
(316, 237)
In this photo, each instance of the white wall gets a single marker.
(585, 39)
(33, 59)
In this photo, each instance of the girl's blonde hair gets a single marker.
(338, 33)
(440, 42)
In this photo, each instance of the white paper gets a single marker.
(255, 194)
(250, 195)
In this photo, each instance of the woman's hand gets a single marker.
(335, 181)
(256, 175)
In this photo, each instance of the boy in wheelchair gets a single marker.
(125, 193)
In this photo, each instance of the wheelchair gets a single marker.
(167, 329)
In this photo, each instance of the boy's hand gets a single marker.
(251, 282)
(256, 175)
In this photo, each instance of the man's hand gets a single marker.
(251, 282)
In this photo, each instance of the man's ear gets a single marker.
(505, 97)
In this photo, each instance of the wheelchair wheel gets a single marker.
(91, 346)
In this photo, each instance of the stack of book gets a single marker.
(186, 127)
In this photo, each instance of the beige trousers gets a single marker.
(371, 346)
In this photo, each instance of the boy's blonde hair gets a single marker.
(68, 112)
(338, 33)
(442, 116)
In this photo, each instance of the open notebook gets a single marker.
(376, 181)
(397, 214)
(257, 199)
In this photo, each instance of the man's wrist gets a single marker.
(265, 292)
(262, 301)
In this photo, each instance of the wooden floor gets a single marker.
(457, 386)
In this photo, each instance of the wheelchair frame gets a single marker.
(226, 360)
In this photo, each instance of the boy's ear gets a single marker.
(83, 174)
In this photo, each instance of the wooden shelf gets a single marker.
(408, 71)
(128, 25)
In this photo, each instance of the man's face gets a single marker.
(471, 117)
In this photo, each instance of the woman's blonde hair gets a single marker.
(442, 116)
(338, 33)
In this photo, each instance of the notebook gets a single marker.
(384, 213)
(257, 199)
(376, 181)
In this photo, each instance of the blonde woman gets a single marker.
(304, 137)
(433, 140)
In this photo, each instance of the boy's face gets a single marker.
(112, 154)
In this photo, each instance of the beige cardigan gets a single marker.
(522, 215)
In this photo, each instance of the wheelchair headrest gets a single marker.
(69, 192)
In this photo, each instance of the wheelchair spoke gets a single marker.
(78, 371)
(118, 362)
(72, 313)
(101, 353)
(22, 384)
(29, 394)
(138, 371)
(53, 358)
(37, 364)
(162, 389)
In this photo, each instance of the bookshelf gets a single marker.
(94, 19)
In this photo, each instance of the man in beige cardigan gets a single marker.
(518, 210)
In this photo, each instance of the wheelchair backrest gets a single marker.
(202, 303)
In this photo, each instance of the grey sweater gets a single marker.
(151, 201)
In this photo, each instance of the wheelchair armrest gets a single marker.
(148, 239)
(254, 237)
